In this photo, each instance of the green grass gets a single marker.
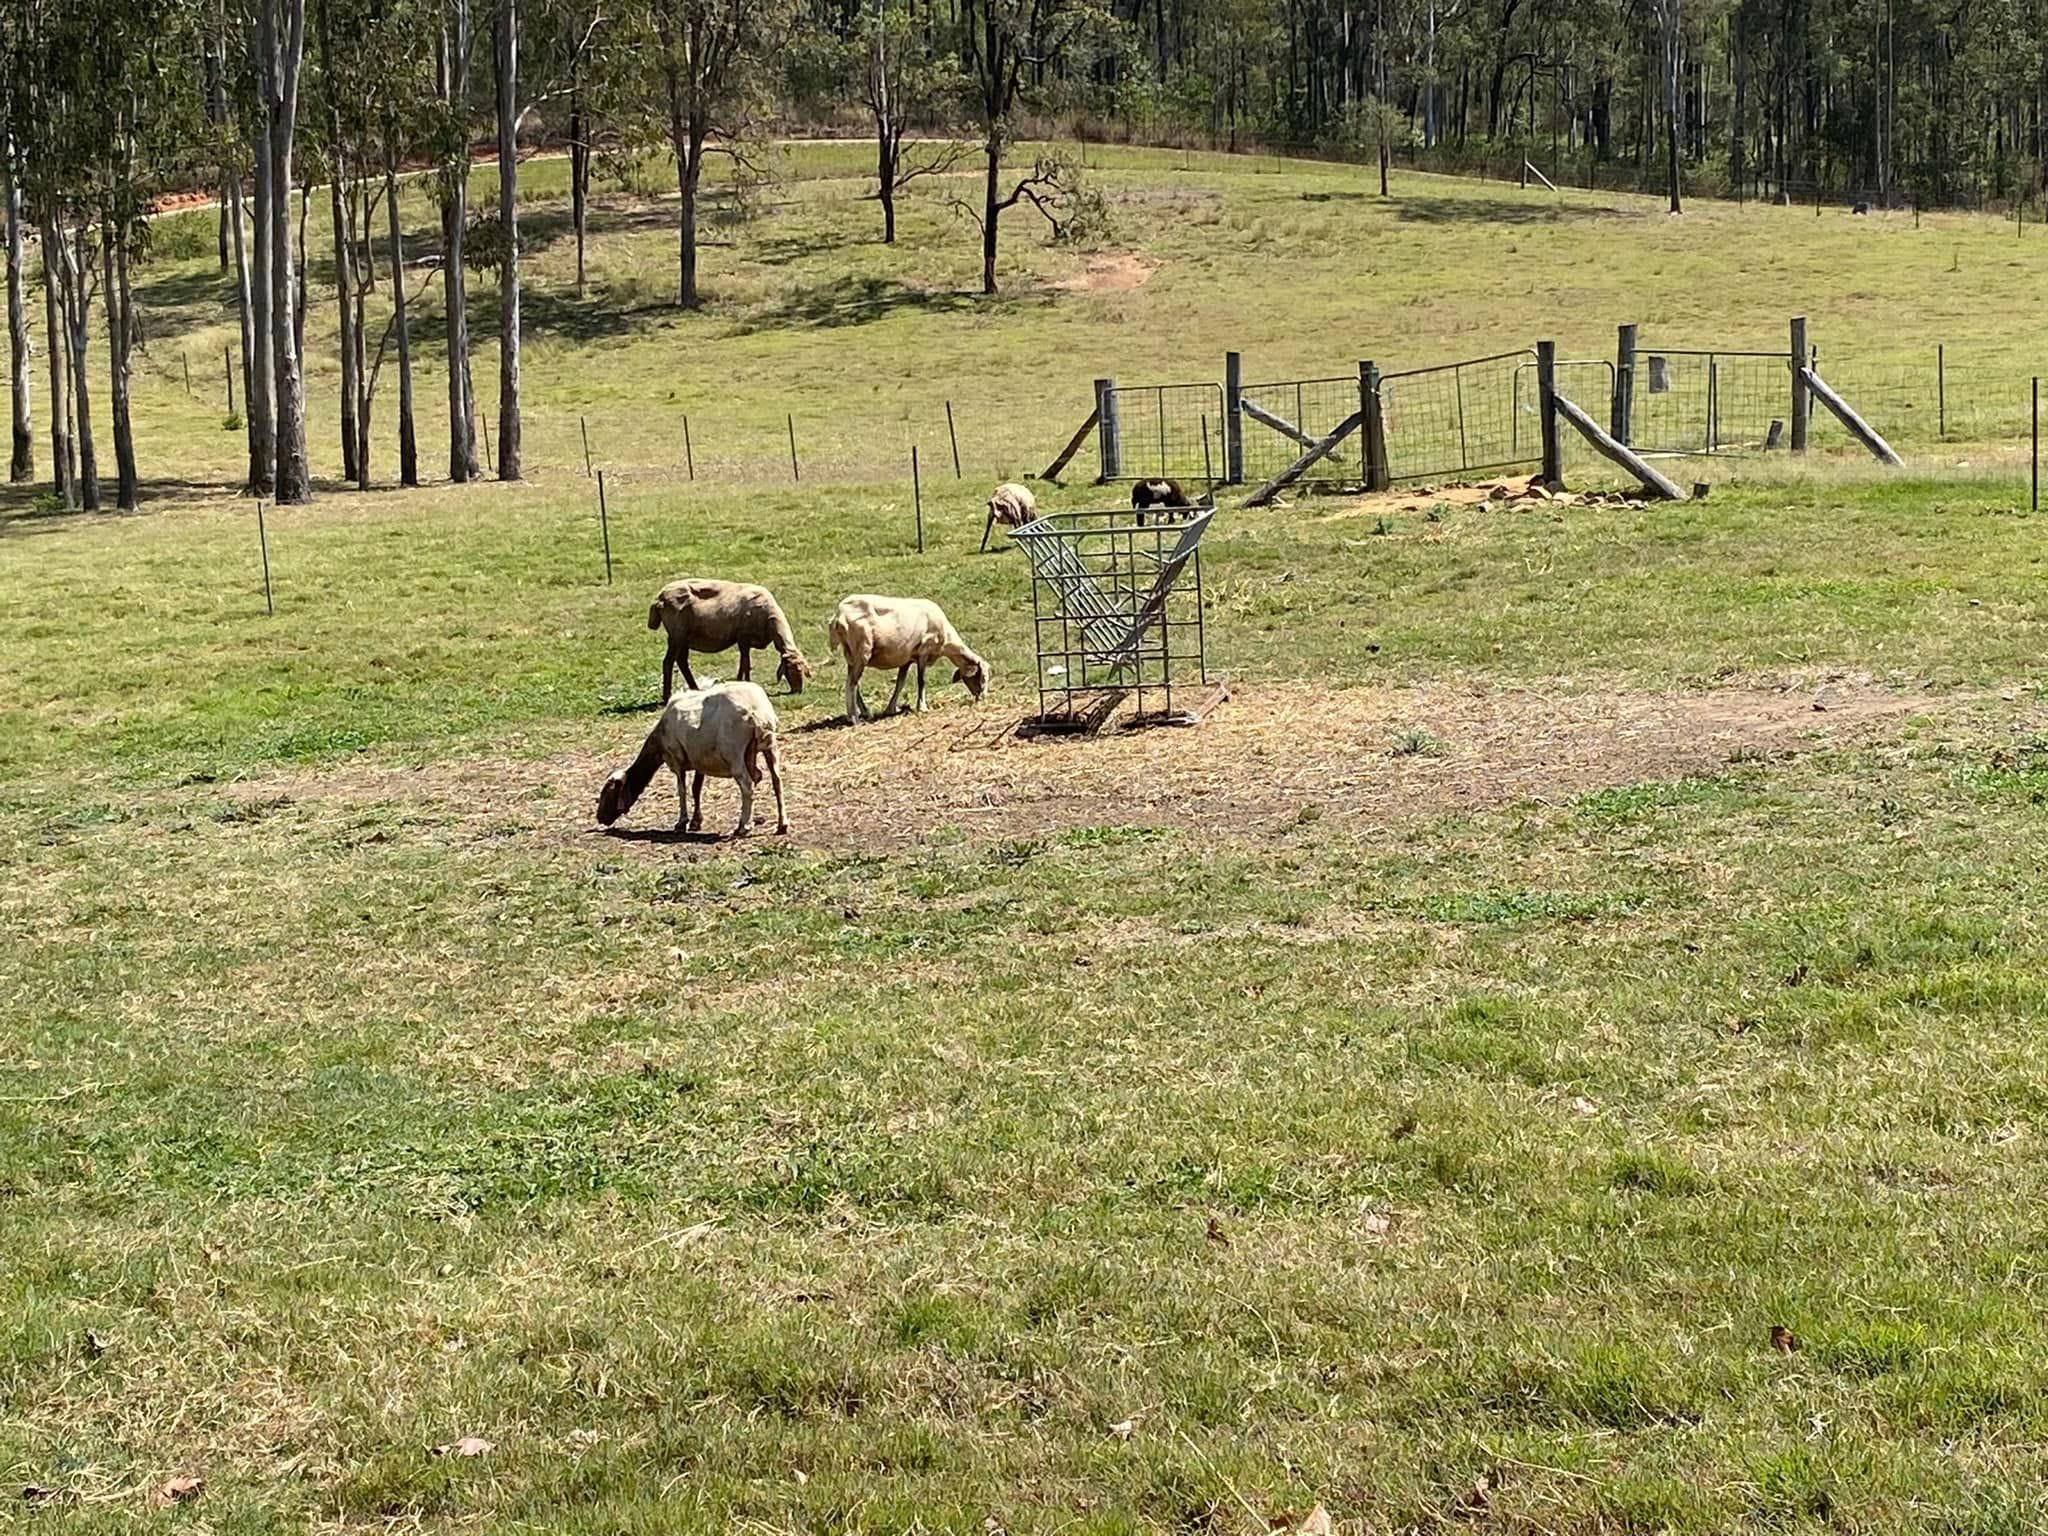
(1443, 1165)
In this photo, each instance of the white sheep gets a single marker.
(727, 730)
(900, 632)
(1013, 505)
(716, 616)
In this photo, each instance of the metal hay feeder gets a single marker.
(1116, 613)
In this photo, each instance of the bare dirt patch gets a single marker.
(1364, 758)
(1117, 272)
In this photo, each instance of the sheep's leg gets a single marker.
(689, 677)
(745, 781)
(697, 802)
(746, 664)
(896, 694)
(920, 687)
(668, 672)
(773, 761)
(854, 711)
(682, 799)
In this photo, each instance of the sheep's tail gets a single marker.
(760, 753)
(837, 629)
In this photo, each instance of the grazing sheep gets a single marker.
(1012, 505)
(1156, 493)
(900, 632)
(727, 730)
(716, 616)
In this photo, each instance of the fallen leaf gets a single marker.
(801, 1476)
(1123, 1429)
(1316, 1523)
(1584, 1106)
(468, 1445)
(1478, 1496)
(992, 1526)
(586, 1437)
(179, 1490)
(1376, 1224)
(1216, 1232)
(1784, 1340)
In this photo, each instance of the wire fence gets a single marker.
(1282, 420)
(1173, 431)
(1691, 401)
(1942, 399)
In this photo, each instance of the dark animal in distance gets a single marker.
(1147, 494)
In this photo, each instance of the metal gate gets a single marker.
(1173, 431)
(1587, 382)
(1456, 418)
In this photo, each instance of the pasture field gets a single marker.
(1559, 1050)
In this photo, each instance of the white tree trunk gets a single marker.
(21, 463)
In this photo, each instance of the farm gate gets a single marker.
(1172, 431)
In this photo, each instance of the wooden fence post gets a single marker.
(1233, 420)
(1800, 404)
(1546, 401)
(1373, 428)
(263, 543)
(1623, 420)
(604, 523)
(1108, 431)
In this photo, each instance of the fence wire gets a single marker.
(1174, 431)
(1457, 419)
(1944, 398)
(1314, 408)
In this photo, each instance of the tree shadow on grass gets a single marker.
(26, 510)
(1496, 210)
(846, 301)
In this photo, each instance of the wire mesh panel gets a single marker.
(1456, 419)
(1710, 402)
(1116, 612)
(1986, 405)
(1282, 419)
(1173, 431)
(1587, 382)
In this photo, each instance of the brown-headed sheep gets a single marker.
(900, 632)
(716, 616)
(1013, 505)
(728, 731)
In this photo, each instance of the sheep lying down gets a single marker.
(726, 731)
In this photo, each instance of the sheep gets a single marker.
(727, 730)
(1013, 505)
(717, 615)
(900, 632)
(1156, 493)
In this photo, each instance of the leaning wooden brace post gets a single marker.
(1233, 419)
(1302, 465)
(1546, 400)
(1377, 475)
(1052, 470)
(1108, 434)
(1653, 481)
(1860, 429)
(1622, 418)
(1800, 405)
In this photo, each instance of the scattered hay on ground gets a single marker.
(1363, 758)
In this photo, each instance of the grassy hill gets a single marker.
(1559, 1049)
